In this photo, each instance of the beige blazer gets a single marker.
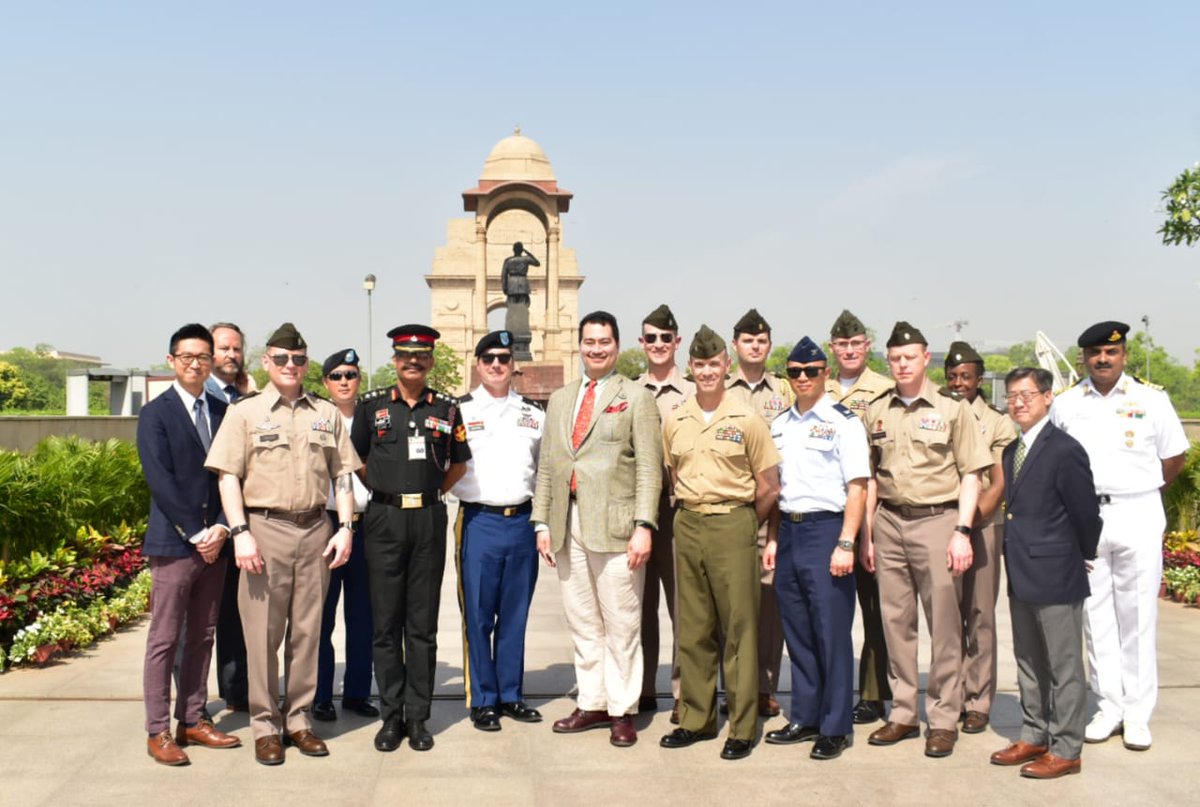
(618, 466)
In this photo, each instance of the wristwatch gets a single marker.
(346, 525)
(238, 530)
(846, 545)
(965, 530)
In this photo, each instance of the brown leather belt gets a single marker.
(300, 518)
(407, 501)
(911, 511)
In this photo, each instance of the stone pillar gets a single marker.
(551, 340)
(479, 302)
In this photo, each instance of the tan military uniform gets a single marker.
(866, 388)
(286, 457)
(919, 453)
(668, 396)
(715, 464)
(981, 583)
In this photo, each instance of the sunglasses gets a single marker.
(281, 359)
(811, 372)
(651, 338)
(337, 375)
(492, 358)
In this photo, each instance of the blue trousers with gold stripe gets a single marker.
(497, 571)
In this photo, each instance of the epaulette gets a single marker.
(375, 393)
(245, 397)
(465, 399)
(844, 410)
(997, 410)
(1146, 383)
(528, 401)
(946, 392)
(451, 399)
(883, 394)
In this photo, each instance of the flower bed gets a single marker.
(1181, 566)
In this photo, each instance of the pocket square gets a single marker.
(620, 407)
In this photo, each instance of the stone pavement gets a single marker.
(71, 733)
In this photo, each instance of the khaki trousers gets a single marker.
(980, 590)
(284, 603)
(910, 564)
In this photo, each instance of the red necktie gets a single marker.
(582, 421)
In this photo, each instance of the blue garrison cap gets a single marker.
(805, 351)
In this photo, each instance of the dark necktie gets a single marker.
(1019, 457)
(231, 392)
(202, 424)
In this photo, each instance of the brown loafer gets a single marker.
(581, 720)
(974, 722)
(1018, 753)
(892, 733)
(940, 742)
(767, 705)
(206, 734)
(268, 750)
(165, 751)
(307, 743)
(1048, 766)
(622, 733)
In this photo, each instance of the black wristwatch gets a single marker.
(238, 530)
(963, 529)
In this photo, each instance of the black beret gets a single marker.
(413, 338)
(494, 339)
(348, 356)
(1104, 333)
(805, 351)
(846, 326)
(961, 353)
(287, 337)
(706, 344)
(662, 317)
(905, 334)
(751, 322)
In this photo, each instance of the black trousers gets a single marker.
(231, 644)
(406, 556)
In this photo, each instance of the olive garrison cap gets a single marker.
(662, 317)
(706, 344)
(413, 338)
(961, 353)
(501, 339)
(905, 334)
(751, 322)
(348, 356)
(287, 337)
(805, 351)
(846, 326)
(1104, 333)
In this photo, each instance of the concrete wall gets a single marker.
(23, 433)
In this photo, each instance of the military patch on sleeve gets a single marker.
(460, 433)
(731, 433)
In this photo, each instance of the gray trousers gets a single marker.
(1048, 644)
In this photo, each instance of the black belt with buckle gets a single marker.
(508, 511)
(812, 515)
(300, 518)
(407, 501)
(919, 510)
(354, 520)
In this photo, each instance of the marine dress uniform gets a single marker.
(497, 549)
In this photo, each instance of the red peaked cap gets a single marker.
(413, 338)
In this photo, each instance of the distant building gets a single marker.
(78, 358)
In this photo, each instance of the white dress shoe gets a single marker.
(1137, 737)
(1101, 728)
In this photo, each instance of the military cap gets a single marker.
(706, 344)
(961, 353)
(846, 326)
(662, 317)
(494, 339)
(905, 334)
(287, 337)
(413, 338)
(805, 351)
(1104, 333)
(751, 322)
(348, 356)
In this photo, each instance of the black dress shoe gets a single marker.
(518, 711)
(360, 706)
(419, 738)
(831, 747)
(736, 749)
(682, 738)
(388, 738)
(647, 703)
(792, 733)
(485, 718)
(324, 712)
(867, 712)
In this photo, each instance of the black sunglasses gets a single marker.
(337, 375)
(281, 359)
(811, 372)
(651, 338)
(491, 358)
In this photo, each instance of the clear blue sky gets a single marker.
(166, 162)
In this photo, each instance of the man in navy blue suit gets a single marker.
(1051, 531)
(183, 543)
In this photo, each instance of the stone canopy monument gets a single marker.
(516, 204)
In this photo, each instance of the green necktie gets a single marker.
(1019, 457)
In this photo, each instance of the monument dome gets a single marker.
(517, 157)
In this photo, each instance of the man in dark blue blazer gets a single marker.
(1051, 530)
(183, 544)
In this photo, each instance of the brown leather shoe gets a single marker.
(622, 732)
(1048, 766)
(268, 750)
(767, 705)
(165, 751)
(307, 743)
(1018, 753)
(940, 742)
(206, 734)
(892, 733)
(581, 720)
(974, 722)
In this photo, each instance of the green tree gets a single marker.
(631, 362)
(1182, 206)
(13, 390)
(777, 361)
(446, 375)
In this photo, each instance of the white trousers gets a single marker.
(602, 601)
(1121, 615)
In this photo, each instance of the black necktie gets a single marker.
(231, 392)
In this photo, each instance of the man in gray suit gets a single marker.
(1052, 528)
(599, 478)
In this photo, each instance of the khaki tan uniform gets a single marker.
(919, 454)
(981, 583)
(873, 660)
(668, 396)
(715, 464)
(286, 458)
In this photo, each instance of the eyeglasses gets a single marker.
(1024, 397)
(849, 344)
(338, 375)
(651, 338)
(811, 372)
(492, 358)
(188, 358)
(281, 359)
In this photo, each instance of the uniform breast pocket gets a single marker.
(387, 436)
(321, 440)
(265, 441)
(731, 456)
(819, 444)
(934, 443)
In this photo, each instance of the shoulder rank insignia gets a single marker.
(530, 402)
(1146, 383)
(375, 393)
(946, 392)
(465, 398)
(245, 397)
(845, 411)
